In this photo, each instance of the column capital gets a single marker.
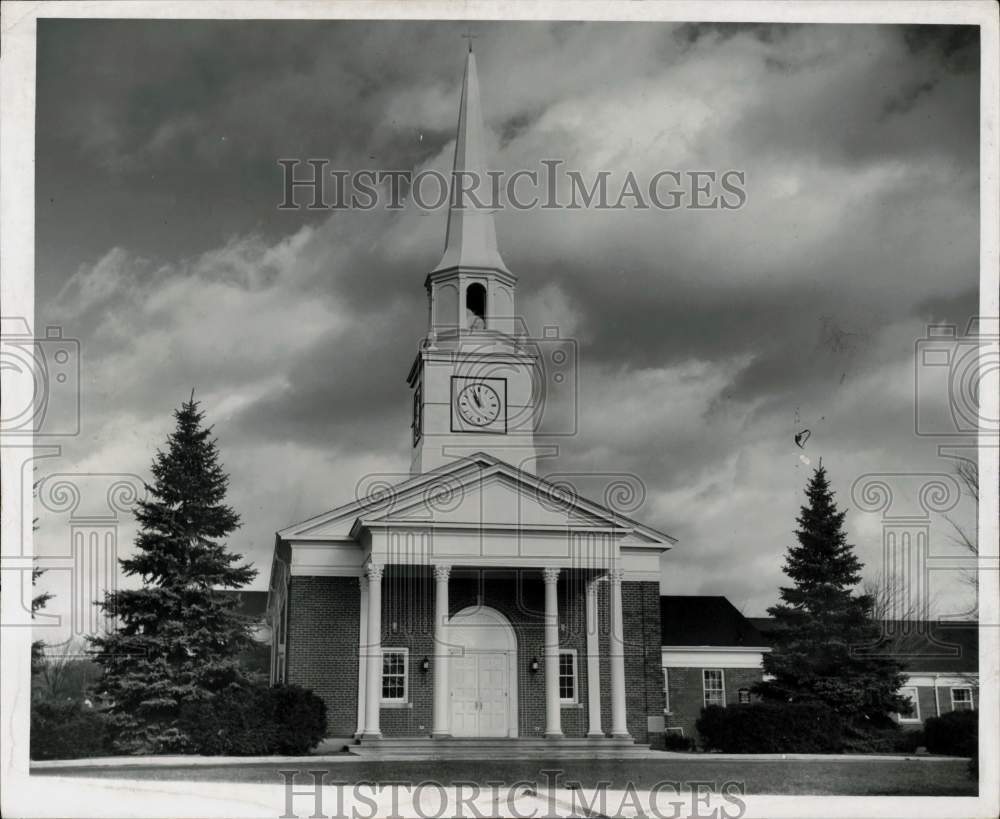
(442, 571)
(616, 575)
(363, 580)
(374, 572)
(550, 575)
(591, 586)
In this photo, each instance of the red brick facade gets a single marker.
(687, 693)
(323, 638)
(322, 644)
(934, 702)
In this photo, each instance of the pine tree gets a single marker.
(824, 635)
(176, 639)
(38, 603)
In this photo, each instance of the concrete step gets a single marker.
(471, 742)
(399, 748)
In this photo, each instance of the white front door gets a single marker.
(493, 695)
(480, 695)
(464, 671)
(482, 675)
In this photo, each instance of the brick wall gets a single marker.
(928, 707)
(323, 645)
(322, 649)
(687, 695)
(643, 677)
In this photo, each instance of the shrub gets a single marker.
(255, 721)
(888, 739)
(953, 734)
(300, 720)
(672, 741)
(67, 729)
(771, 727)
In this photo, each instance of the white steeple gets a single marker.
(474, 382)
(471, 239)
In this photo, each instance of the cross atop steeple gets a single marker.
(471, 240)
(470, 37)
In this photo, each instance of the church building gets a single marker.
(474, 598)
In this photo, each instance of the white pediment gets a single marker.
(479, 492)
(495, 499)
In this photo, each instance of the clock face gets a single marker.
(478, 404)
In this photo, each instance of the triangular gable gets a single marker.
(432, 494)
(383, 494)
(493, 497)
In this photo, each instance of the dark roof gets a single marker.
(252, 603)
(704, 621)
(922, 645)
(762, 624)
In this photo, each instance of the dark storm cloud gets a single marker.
(346, 391)
(706, 339)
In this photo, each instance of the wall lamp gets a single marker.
(534, 665)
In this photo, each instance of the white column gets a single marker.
(619, 723)
(442, 715)
(593, 664)
(373, 674)
(362, 654)
(553, 723)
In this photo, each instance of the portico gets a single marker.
(475, 664)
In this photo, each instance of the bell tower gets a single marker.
(474, 381)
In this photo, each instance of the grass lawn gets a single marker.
(849, 778)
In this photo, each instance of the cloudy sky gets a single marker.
(706, 339)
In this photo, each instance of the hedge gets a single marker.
(67, 729)
(672, 741)
(771, 727)
(889, 739)
(953, 734)
(255, 721)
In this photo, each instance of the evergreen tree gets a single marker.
(824, 637)
(37, 604)
(176, 639)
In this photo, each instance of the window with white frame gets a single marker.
(567, 676)
(666, 691)
(714, 687)
(961, 699)
(395, 662)
(909, 692)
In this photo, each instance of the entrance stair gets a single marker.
(478, 748)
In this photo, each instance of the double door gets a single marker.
(480, 694)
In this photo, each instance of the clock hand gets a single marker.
(475, 394)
